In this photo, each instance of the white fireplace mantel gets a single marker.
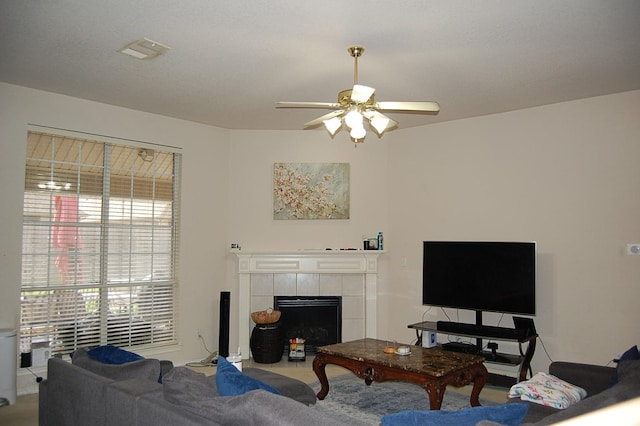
(306, 262)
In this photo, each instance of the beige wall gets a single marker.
(253, 154)
(564, 175)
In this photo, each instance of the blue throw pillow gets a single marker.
(232, 382)
(631, 354)
(506, 414)
(109, 354)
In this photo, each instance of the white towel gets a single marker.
(547, 390)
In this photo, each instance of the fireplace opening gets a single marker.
(317, 319)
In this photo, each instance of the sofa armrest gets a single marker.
(592, 378)
(73, 395)
(287, 386)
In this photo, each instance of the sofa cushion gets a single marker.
(109, 354)
(592, 378)
(145, 369)
(505, 414)
(182, 382)
(198, 394)
(232, 382)
(258, 407)
(122, 399)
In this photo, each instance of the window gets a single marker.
(100, 243)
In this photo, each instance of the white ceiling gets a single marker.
(232, 60)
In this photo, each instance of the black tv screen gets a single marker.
(480, 276)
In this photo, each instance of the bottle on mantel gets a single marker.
(379, 240)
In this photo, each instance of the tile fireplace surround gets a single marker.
(346, 273)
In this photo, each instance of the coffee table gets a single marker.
(432, 369)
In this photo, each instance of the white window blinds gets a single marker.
(100, 244)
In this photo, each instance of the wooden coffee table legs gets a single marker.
(435, 386)
(319, 368)
(479, 380)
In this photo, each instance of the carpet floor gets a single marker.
(351, 401)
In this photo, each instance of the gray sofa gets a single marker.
(597, 381)
(91, 393)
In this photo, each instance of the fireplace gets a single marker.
(317, 319)
(349, 274)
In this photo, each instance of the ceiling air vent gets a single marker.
(144, 49)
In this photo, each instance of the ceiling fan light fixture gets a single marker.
(353, 119)
(379, 123)
(357, 104)
(333, 125)
(358, 132)
(361, 94)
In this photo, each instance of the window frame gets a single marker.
(148, 316)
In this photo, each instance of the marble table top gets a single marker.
(431, 361)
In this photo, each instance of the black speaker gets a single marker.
(225, 309)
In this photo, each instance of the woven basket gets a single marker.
(265, 317)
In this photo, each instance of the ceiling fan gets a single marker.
(357, 104)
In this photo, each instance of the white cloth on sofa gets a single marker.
(547, 390)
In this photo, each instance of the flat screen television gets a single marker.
(480, 276)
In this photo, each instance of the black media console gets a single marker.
(524, 333)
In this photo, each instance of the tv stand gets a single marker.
(500, 358)
(491, 356)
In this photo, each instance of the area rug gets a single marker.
(351, 401)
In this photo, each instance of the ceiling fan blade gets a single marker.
(408, 106)
(319, 105)
(361, 93)
(320, 120)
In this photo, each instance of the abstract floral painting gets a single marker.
(311, 191)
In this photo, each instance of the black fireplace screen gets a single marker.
(317, 319)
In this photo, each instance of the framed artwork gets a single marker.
(310, 191)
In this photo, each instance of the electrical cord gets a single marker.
(38, 378)
(419, 332)
(425, 312)
(210, 361)
(418, 339)
(545, 348)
